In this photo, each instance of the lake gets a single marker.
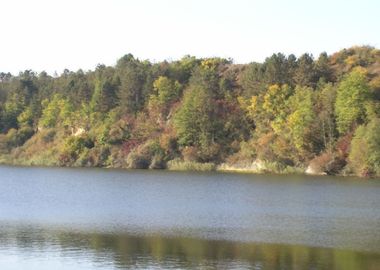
(55, 218)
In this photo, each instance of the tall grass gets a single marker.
(179, 165)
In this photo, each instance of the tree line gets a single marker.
(288, 112)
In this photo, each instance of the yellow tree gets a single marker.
(301, 119)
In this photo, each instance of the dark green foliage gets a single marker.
(106, 84)
(276, 69)
(78, 88)
(305, 74)
(104, 97)
(322, 69)
(252, 79)
(132, 91)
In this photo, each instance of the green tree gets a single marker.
(196, 121)
(26, 88)
(166, 90)
(56, 112)
(193, 117)
(132, 74)
(25, 118)
(104, 97)
(326, 114)
(323, 69)
(276, 69)
(50, 112)
(181, 70)
(301, 119)
(352, 95)
(305, 72)
(77, 88)
(364, 157)
(9, 116)
(251, 79)
(276, 106)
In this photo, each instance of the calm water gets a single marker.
(106, 219)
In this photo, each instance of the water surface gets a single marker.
(108, 219)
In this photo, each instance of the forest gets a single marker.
(286, 115)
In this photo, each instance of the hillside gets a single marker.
(288, 114)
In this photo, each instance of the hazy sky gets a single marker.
(55, 34)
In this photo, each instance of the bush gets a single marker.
(364, 157)
(190, 154)
(49, 136)
(3, 144)
(158, 162)
(111, 133)
(72, 149)
(15, 138)
(138, 161)
(179, 165)
(116, 135)
(11, 138)
(245, 155)
(94, 157)
(148, 155)
(319, 164)
(168, 143)
(117, 158)
(24, 134)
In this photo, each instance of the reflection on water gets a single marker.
(38, 248)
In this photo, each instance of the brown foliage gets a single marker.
(327, 163)
(343, 145)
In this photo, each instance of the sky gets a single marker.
(51, 35)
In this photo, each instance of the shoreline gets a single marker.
(222, 168)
